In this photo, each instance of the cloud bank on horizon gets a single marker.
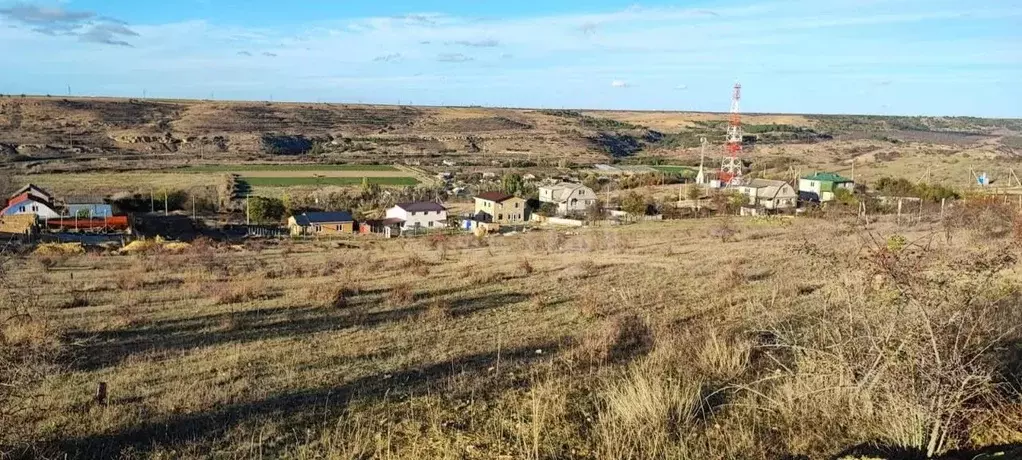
(937, 57)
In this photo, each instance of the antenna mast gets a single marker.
(731, 167)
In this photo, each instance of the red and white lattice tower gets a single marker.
(731, 167)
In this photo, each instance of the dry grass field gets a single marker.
(709, 339)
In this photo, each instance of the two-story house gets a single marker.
(500, 208)
(420, 215)
(570, 198)
(770, 194)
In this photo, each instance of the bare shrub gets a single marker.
(129, 280)
(417, 265)
(334, 295)
(238, 292)
(401, 295)
(437, 311)
(525, 267)
(724, 230)
(47, 263)
(578, 271)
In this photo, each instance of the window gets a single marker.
(430, 223)
(21, 209)
(413, 213)
(516, 205)
(35, 208)
(500, 217)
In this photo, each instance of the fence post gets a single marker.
(943, 201)
(899, 210)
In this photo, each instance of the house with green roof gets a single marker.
(821, 186)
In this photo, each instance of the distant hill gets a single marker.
(39, 131)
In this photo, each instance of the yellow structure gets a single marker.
(501, 208)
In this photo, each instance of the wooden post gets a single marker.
(899, 210)
(101, 394)
(943, 201)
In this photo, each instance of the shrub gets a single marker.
(401, 295)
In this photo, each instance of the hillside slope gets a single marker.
(67, 134)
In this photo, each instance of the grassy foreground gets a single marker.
(681, 340)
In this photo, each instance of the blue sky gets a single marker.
(931, 57)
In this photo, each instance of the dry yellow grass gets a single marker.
(641, 341)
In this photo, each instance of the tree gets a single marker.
(634, 204)
(547, 210)
(265, 210)
(693, 194)
(512, 184)
(845, 197)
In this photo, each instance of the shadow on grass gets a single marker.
(297, 409)
(108, 348)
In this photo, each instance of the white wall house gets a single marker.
(569, 198)
(422, 215)
(770, 194)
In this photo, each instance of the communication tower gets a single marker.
(731, 167)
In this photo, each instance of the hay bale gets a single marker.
(59, 249)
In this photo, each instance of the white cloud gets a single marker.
(681, 87)
(620, 84)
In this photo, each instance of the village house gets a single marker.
(419, 215)
(822, 186)
(570, 198)
(321, 223)
(31, 200)
(500, 208)
(87, 207)
(389, 228)
(770, 194)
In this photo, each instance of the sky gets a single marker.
(895, 57)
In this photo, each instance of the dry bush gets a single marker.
(401, 295)
(130, 280)
(910, 362)
(525, 267)
(417, 265)
(437, 241)
(331, 267)
(725, 230)
(237, 292)
(438, 310)
(47, 262)
(730, 277)
(578, 271)
(334, 295)
(480, 277)
(593, 303)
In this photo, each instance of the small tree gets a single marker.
(634, 204)
(693, 194)
(264, 210)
